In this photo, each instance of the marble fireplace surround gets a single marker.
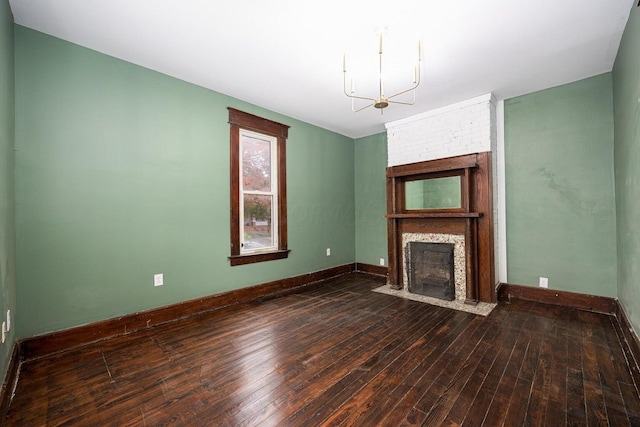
(459, 265)
(481, 308)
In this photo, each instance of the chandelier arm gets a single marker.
(407, 90)
(360, 109)
(403, 103)
(403, 92)
(344, 88)
(359, 97)
(381, 87)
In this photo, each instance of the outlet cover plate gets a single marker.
(158, 279)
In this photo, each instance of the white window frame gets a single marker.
(273, 149)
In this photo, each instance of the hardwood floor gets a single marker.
(340, 354)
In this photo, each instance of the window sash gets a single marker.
(253, 246)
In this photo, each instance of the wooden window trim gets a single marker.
(241, 120)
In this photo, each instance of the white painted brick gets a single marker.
(464, 128)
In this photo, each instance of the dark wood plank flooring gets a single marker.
(340, 354)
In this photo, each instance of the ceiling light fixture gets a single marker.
(382, 101)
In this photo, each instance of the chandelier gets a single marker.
(382, 101)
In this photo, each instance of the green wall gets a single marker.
(371, 199)
(560, 187)
(7, 197)
(122, 172)
(626, 91)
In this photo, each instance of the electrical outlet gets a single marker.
(4, 332)
(544, 282)
(328, 251)
(381, 261)
(158, 279)
(8, 320)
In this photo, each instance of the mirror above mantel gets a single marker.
(433, 193)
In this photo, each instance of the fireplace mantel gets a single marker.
(473, 219)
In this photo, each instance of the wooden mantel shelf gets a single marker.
(435, 215)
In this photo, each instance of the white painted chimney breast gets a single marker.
(464, 128)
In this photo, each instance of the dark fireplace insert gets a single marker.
(430, 269)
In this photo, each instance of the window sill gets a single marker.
(258, 257)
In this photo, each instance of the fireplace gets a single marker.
(430, 269)
(467, 223)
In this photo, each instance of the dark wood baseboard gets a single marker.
(43, 345)
(629, 337)
(594, 303)
(378, 270)
(9, 383)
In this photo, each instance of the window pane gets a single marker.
(257, 222)
(256, 164)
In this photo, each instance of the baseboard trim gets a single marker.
(594, 303)
(629, 337)
(377, 270)
(44, 345)
(10, 380)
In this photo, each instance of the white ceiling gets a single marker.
(286, 55)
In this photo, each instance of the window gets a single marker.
(258, 192)
(258, 189)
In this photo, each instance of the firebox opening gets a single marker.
(430, 269)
